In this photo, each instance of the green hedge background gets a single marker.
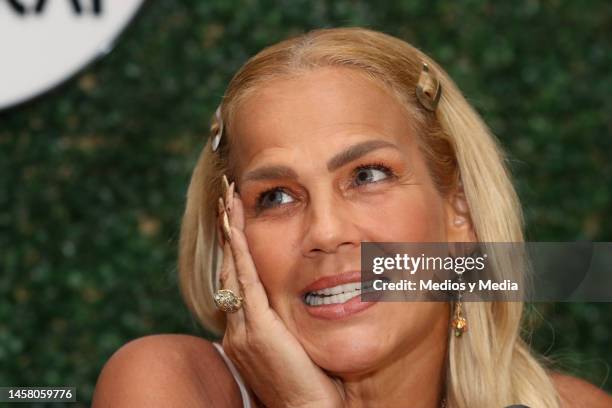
(94, 174)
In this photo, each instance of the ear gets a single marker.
(459, 226)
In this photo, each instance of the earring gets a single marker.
(459, 323)
(459, 221)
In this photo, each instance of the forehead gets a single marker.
(328, 107)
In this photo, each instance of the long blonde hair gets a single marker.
(491, 366)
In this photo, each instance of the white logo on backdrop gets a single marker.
(44, 42)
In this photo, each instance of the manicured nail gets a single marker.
(220, 206)
(225, 225)
(225, 186)
(226, 228)
(229, 198)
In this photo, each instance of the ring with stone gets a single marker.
(227, 301)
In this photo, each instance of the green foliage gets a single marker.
(94, 174)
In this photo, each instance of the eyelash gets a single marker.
(374, 166)
(370, 166)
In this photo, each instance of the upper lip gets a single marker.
(333, 280)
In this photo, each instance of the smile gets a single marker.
(337, 294)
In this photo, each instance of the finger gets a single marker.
(228, 280)
(255, 298)
(227, 275)
(229, 198)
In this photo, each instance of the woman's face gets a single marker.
(325, 160)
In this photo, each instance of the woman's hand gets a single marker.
(270, 359)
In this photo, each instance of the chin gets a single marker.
(366, 341)
(347, 350)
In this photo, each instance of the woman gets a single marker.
(330, 139)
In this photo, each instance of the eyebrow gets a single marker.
(355, 152)
(346, 156)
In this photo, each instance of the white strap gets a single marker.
(246, 399)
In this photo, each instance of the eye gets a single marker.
(371, 173)
(273, 198)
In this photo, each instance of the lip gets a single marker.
(336, 311)
(331, 281)
(339, 311)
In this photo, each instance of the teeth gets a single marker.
(336, 290)
(337, 294)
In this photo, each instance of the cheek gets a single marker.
(410, 215)
(272, 256)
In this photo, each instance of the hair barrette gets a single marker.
(216, 141)
(428, 89)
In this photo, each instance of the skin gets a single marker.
(393, 349)
(391, 354)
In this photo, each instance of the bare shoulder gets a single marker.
(166, 370)
(578, 393)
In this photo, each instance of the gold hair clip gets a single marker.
(428, 89)
(217, 137)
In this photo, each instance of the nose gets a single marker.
(329, 225)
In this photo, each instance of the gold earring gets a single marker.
(459, 323)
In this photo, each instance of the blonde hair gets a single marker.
(490, 366)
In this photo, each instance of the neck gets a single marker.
(413, 377)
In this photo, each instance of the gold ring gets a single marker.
(227, 301)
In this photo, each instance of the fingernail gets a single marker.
(224, 185)
(229, 198)
(226, 228)
(220, 206)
